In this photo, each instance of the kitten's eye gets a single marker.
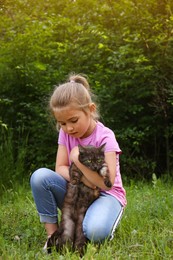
(89, 161)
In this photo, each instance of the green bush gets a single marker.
(126, 51)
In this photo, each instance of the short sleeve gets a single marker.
(111, 142)
(61, 138)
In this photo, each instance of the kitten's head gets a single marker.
(91, 156)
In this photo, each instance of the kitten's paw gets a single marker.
(104, 170)
(107, 182)
(75, 181)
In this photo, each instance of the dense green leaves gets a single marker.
(125, 48)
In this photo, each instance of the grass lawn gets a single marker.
(145, 232)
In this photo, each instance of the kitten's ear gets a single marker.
(81, 148)
(102, 147)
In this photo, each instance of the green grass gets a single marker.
(145, 232)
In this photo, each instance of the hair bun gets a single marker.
(77, 78)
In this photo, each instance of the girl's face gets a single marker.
(75, 122)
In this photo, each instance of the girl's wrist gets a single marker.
(74, 154)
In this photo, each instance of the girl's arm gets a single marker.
(62, 163)
(93, 177)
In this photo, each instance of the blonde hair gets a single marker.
(75, 92)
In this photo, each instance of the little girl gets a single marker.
(77, 117)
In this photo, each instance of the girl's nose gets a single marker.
(70, 128)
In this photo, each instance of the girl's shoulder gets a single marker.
(106, 135)
(104, 129)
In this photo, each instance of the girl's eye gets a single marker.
(74, 121)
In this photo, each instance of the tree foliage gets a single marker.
(126, 50)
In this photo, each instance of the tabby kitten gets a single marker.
(77, 200)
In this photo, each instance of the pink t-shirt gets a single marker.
(100, 135)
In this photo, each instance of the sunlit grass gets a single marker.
(145, 232)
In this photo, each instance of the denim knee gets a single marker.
(38, 177)
(95, 232)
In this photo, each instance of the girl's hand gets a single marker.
(74, 154)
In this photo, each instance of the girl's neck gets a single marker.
(90, 129)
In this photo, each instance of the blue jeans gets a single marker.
(101, 218)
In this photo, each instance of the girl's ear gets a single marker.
(92, 107)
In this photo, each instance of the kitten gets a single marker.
(77, 200)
